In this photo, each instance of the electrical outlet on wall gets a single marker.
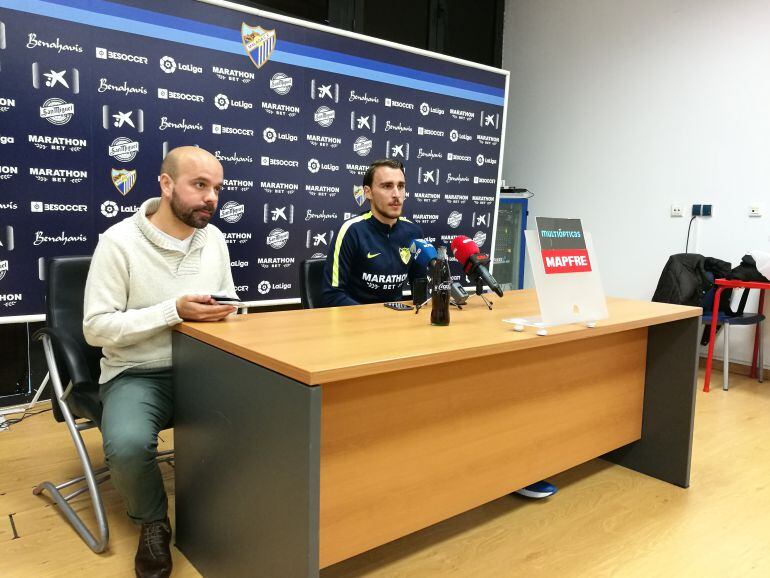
(755, 211)
(676, 210)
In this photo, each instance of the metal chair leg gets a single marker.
(761, 360)
(726, 355)
(97, 544)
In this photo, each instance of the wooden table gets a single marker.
(306, 437)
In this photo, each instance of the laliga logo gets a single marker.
(221, 101)
(480, 160)
(264, 287)
(269, 135)
(168, 65)
(109, 209)
(313, 165)
(424, 109)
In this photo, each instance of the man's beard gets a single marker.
(197, 217)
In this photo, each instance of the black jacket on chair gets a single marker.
(687, 277)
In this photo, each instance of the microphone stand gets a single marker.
(480, 292)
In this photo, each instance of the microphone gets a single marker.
(423, 252)
(474, 263)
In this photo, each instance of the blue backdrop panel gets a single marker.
(94, 93)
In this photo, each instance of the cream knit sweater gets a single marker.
(135, 278)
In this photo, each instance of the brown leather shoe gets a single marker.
(153, 556)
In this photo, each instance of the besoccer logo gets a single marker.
(168, 65)
(221, 101)
(269, 135)
(109, 209)
(313, 165)
(264, 287)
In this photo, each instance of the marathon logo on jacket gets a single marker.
(278, 109)
(57, 143)
(275, 262)
(107, 54)
(62, 79)
(323, 141)
(397, 151)
(398, 104)
(165, 94)
(58, 175)
(456, 199)
(169, 65)
(562, 246)
(232, 74)
(456, 135)
(133, 118)
(279, 188)
(56, 111)
(281, 83)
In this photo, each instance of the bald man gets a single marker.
(148, 273)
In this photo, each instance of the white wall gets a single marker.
(619, 108)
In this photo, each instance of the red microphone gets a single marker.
(474, 263)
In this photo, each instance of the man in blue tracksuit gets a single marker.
(370, 261)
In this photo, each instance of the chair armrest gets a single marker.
(70, 352)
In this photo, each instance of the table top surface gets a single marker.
(318, 346)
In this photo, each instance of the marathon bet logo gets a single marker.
(483, 200)
(279, 188)
(320, 91)
(231, 211)
(123, 149)
(281, 83)
(239, 238)
(425, 218)
(398, 104)
(460, 114)
(232, 74)
(58, 175)
(329, 191)
(323, 141)
(277, 238)
(222, 129)
(106, 54)
(324, 116)
(427, 197)
(355, 169)
(272, 214)
(362, 146)
(426, 109)
(133, 118)
(57, 143)
(488, 140)
(166, 94)
(456, 198)
(275, 262)
(363, 122)
(278, 109)
(425, 176)
(397, 150)
(169, 65)
(54, 78)
(7, 104)
(7, 172)
(56, 111)
(238, 185)
(454, 219)
(270, 135)
(274, 162)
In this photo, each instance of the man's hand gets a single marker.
(201, 308)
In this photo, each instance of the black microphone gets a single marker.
(473, 262)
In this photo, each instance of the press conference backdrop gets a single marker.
(94, 93)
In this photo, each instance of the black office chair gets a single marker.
(311, 273)
(73, 362)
